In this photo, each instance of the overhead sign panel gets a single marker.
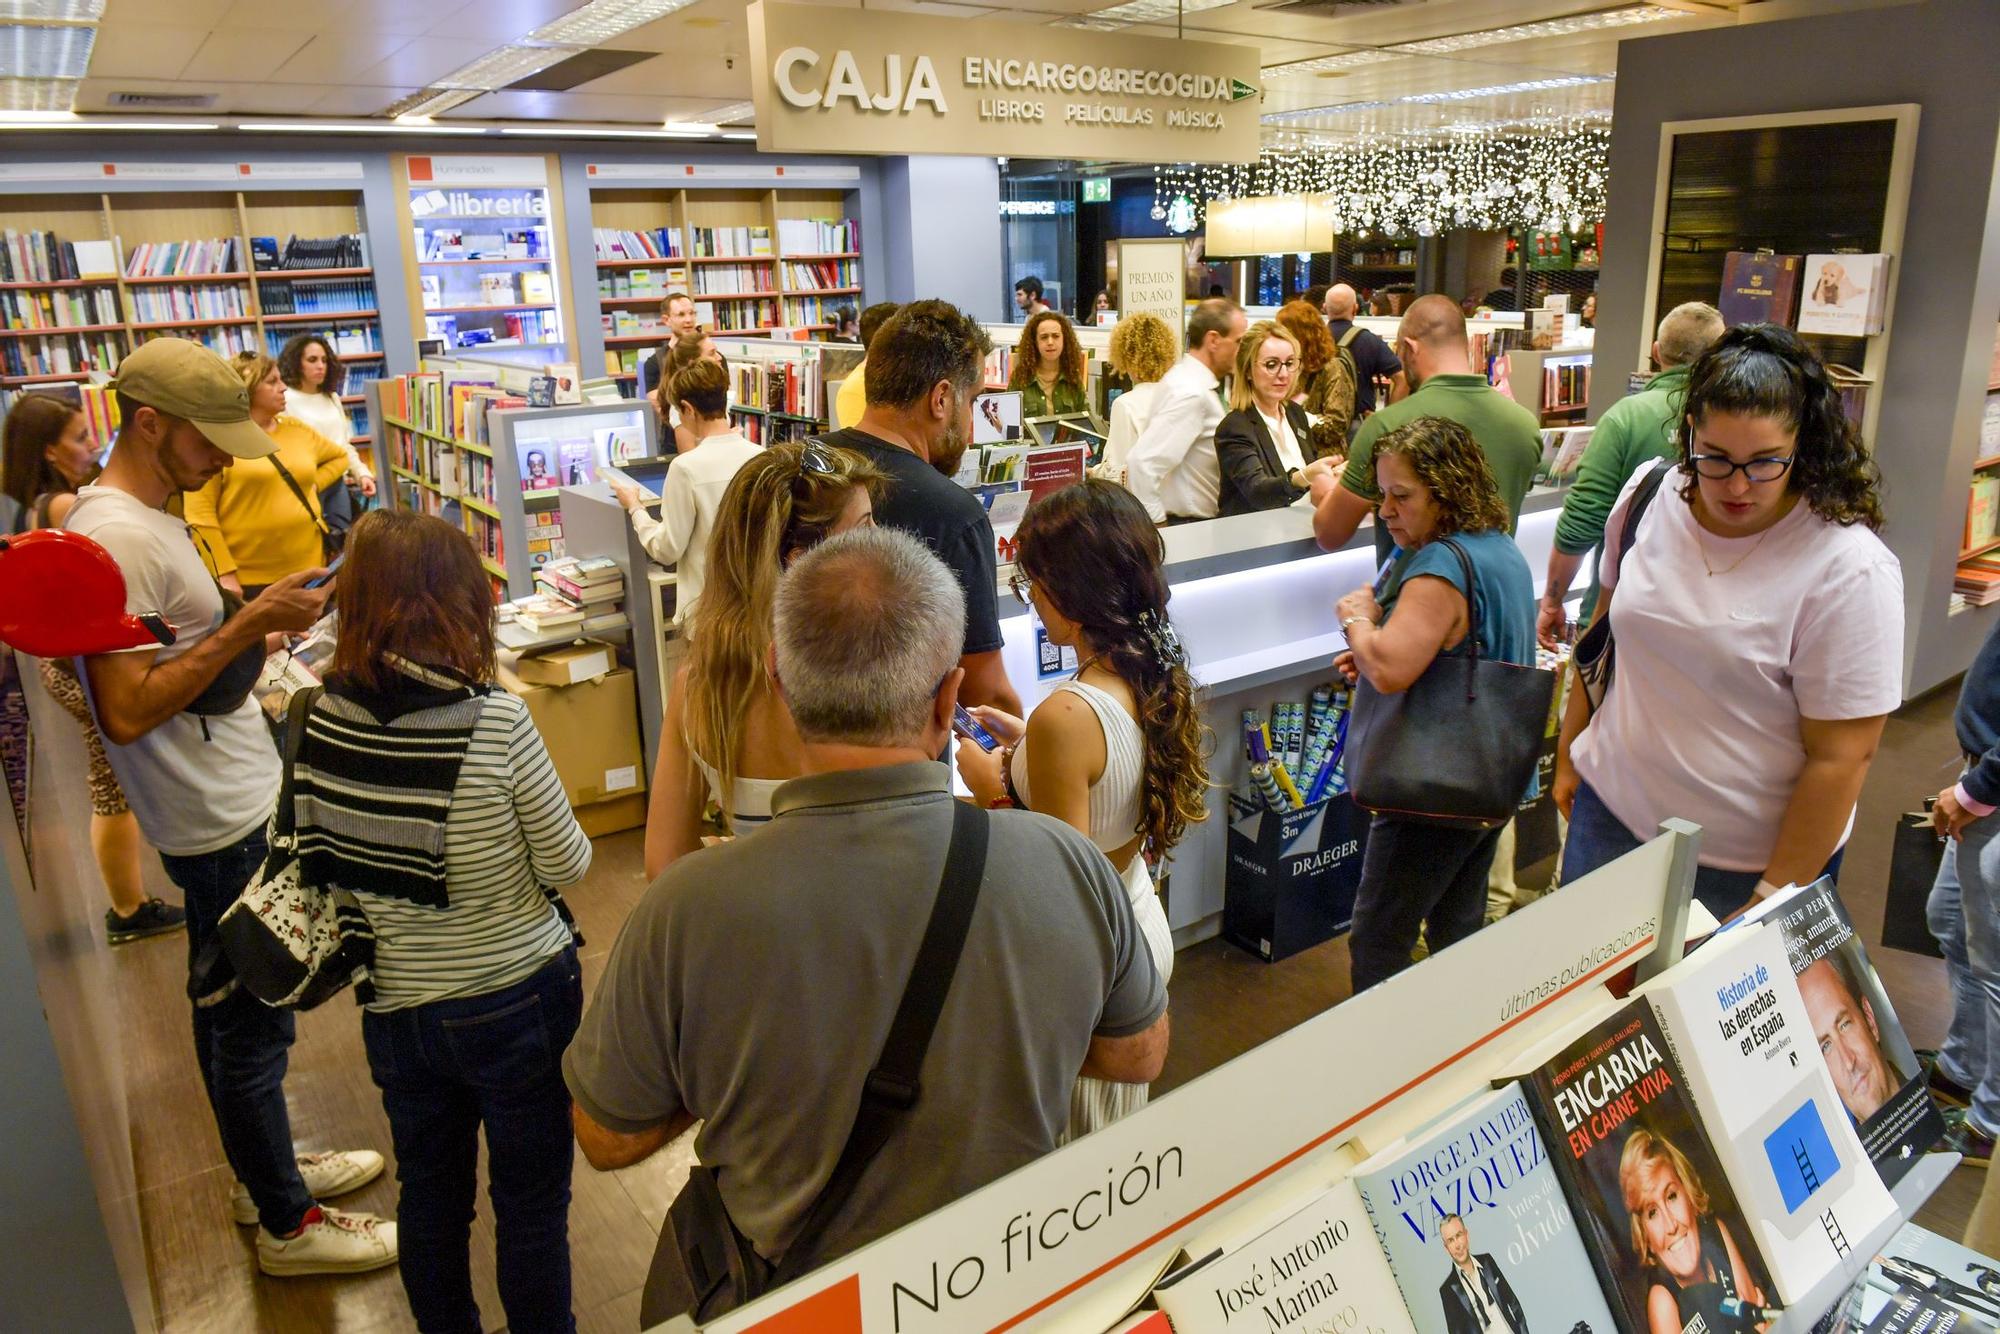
(829, 80)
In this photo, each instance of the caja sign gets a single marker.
(830, 80)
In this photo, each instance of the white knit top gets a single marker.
(1115, 796)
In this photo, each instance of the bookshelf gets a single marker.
(232, 270)
(756, 262)
(1976, 581)
(1554, 385)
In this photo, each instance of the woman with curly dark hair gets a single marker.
(1435, 486)
(1049, 367)
(1759, 626)
(1119, 751)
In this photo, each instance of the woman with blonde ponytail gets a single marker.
(727, 736)
(1119, 752)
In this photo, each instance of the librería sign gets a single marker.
(845, 81)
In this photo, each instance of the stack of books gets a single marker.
(615, 243)
(579, 595)
(1978, 581)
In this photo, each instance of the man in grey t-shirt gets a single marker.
(753, 986)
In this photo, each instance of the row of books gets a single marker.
(206, 301)
(487, 538)
(723, 241)
(58, 354)
(454, 242)
(43, 257)
(1982, 511)
(170, 259)
(818, 236)
(1679, 1157)
(792, 385)
(733, 278)
(768, 431)
(808, 275)
(639, 282)
(325, 296)
(1565, 384)
(725, 316)
(100, 407)
(225, 340)
(494, 289)
(348, 340)
(496, 329)
(60, 309)
(623, 323)
(349, 251)
(1841, 295)
(803, 312)
(617, 243)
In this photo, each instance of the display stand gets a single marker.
(1243, 1142)
(596, 525)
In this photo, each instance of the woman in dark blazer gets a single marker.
(1262, 443)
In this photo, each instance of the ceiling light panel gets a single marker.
(1503, 89)
(601, 20)
(31, 52)
(1327, 64)
(1563, 27)
(1141, 11)
(53, 11)
(734, 111)
(504, 65)
(36, 94)
(426, 102)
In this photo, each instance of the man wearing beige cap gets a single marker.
(192, 752)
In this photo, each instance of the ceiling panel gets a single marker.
(144, 50)
(423, 60)
(204, 14)
(232, 53)
(336, 57)
(581, 105)
(353, 100)
(501, 21)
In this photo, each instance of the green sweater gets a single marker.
(1507, 433)
(1068, 399)
(1631, 435)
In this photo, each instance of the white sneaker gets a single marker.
(326, 1174)
(334, 1243)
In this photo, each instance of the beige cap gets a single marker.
(185, 379)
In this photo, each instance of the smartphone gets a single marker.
(966, 725)
(331, 571)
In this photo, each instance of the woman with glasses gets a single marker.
(1759, 630)
(1119, 751)
(727, 738)
(695, 482)
(1263, 442)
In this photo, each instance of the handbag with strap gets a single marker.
(704, 1266)
(291, 943)
(1595, 653)
(1915, 856)
(1459, 746)
(330, 542)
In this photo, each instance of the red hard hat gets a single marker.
(62, 595)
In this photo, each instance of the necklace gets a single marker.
(1702, 547)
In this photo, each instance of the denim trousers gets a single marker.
(446, 1069)
(242, 1045)
(1964, 915)
(1596, 836)
(1416, 876)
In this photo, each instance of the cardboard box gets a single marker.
(569, 665)
(592, 733)
(613, 816)
(1292, 875)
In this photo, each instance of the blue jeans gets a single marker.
(1596, 836)
(445, 1069)
(1964, 915)
(242, 1045)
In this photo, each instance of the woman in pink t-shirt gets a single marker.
(1759, 625)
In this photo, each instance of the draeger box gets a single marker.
(591, 730)
(1292, 875)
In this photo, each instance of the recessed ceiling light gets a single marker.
(601, 20)
(504, 65)
(429, 102)
(35, 52)
(1140, 11)
(53, 11)
(1426, 99)
(1322, 64)
(36, 94)
(1563, 27)
(355, 127)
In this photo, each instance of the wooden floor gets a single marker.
(1225, 1002)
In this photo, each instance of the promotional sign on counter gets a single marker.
(1152, 276)
(829, 80)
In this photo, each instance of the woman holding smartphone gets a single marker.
(1119, 751)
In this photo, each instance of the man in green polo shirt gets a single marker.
(1631, 434)
(1431, 344)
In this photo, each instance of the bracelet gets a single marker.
(1351, 620)
(1000, 804)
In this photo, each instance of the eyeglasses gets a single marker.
(1720, 467)
(1273, 367)
(1023, 587)
(815, 460)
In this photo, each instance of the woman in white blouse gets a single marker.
(313, 378)
(1262, 444)
(1142, 349)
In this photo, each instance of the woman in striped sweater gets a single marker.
(429, 795)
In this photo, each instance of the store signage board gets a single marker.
(1152, 276)
(477, 170)
(1075, 1237)
(300, 171)
(841, 80)
(179, 171)
(709, 171)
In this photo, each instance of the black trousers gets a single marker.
(1416, 876)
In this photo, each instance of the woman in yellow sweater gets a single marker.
(253, 526)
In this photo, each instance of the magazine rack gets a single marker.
(1244, 1139)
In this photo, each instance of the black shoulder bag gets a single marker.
(330, 542)
(1595, 654)
(704, 1266)
(1459, 746)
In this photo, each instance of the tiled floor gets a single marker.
(1224, 1003)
